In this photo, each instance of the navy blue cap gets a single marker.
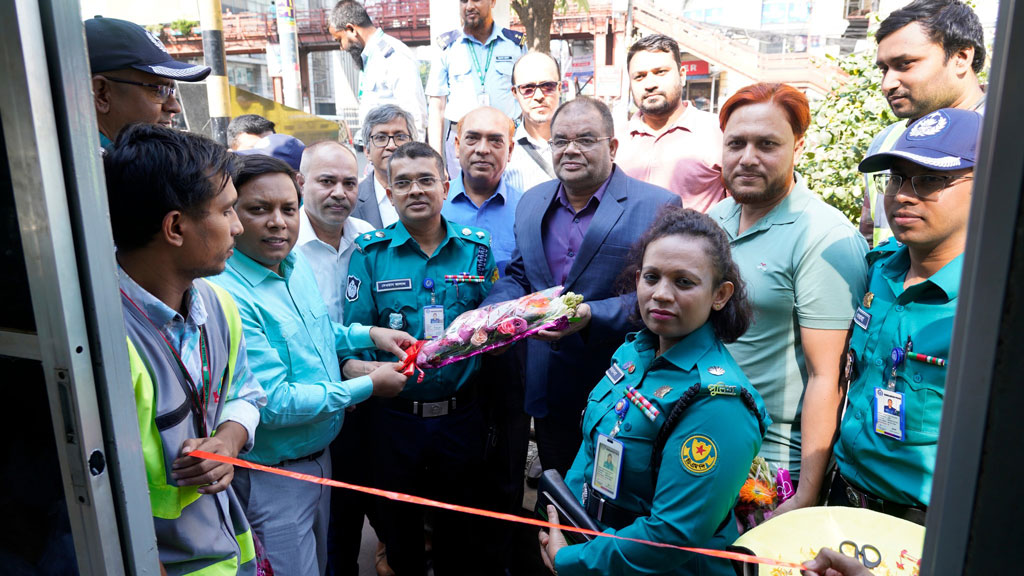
(119, 44)
(280, 146)
(946, 139)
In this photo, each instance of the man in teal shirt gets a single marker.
(903, 326)
(293, 349)
(433, 432)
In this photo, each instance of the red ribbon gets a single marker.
(409, 366)
(398, 496)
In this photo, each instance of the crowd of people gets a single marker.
(270, 292)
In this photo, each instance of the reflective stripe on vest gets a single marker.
(169, 502)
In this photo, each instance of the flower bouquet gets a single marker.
(500, 324)
(762, 493)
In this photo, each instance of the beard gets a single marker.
(356, 51)
(774, 189)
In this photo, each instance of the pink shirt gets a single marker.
(686, 157)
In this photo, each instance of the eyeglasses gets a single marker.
(163, 92)
(925, 186)
(405, 186)
(527, 90)
(381, 140)
(583, 143)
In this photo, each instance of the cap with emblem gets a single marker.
(118, 44)
(946, 139)
(280, 146)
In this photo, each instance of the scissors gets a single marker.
(867, 554)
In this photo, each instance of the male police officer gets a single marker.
(930, 53)
(902, 329)
(390, 71)
(474, 68)
(432, 433)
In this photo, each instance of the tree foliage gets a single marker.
(537, 15)
(842, 127)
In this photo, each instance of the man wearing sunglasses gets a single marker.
(538, 89)
(133, 76)
(902, 329)
(668, 142)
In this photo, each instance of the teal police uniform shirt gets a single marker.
(889, 315)
(385, 287)
(293, 349)
(704, 463)
(455, 73)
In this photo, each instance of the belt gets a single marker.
(307, 458)
(462, 399)
(857, 498)
(601, 509)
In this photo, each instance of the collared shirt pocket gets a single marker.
(279, 334)
(925, 390)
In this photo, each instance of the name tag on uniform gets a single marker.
(614, 373)
(862, 318)
(433, 322)
(890, 416)
(503, 58)
(607, 466)
(392, 285)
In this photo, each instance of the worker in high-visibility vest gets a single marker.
(930, 53)
(190, 377)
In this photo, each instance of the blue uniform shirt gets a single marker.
(455, 74)
(496, 215)
(385, 287)
(293, 350)
(704, 463)
(391, 75)
(898, 471)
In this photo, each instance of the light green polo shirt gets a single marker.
(804, 266)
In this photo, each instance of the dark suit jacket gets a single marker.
(366, 204)
(559, 375)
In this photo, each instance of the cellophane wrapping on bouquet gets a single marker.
(762, 493)
(500, 324)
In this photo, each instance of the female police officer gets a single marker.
(674, 414)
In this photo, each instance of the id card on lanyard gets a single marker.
(482, 98)
(608, 454)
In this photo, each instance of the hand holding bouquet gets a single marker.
(500, 324)
(762, 493)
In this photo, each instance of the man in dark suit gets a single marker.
(385, 129)
(576, 231)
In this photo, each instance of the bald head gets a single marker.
(320, 150)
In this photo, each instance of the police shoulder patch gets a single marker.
(447, 39)
(699, 454)
(518, 37)
(352, 288)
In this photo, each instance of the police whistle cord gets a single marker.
(399, 497)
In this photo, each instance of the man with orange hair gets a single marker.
(803, 263)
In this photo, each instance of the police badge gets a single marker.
(352, 290)
(396, 321)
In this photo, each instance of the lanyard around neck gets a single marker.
(476, 61)
(198, 396)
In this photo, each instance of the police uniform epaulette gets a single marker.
(377, 236)
(385, 48)
(477, 235)
(883, 250)
(447, 39)
(518, 37)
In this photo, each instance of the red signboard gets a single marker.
(696, 67)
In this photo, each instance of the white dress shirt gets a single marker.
(330, 266)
